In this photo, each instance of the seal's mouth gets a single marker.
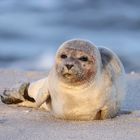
(67, 75)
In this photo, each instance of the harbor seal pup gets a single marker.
(85, 83)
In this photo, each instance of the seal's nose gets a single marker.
(69, 66)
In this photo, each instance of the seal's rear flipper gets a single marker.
(16, 94)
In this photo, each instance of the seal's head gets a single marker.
(77, 62)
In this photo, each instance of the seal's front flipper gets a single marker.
(16, 94)
(40, 92)
(42, 97)
(10, 100)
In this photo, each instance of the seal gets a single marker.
(85, 83)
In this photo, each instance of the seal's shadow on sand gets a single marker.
(124, 112)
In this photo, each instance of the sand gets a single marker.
(18, 123)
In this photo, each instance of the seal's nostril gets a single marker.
(69, 66)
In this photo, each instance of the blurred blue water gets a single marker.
(31, 31)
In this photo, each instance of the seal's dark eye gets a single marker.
(83, 58)
(63, 56)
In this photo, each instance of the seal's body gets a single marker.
(85, 83)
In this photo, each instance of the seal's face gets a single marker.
(76, 62)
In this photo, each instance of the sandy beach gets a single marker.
(18, 123)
